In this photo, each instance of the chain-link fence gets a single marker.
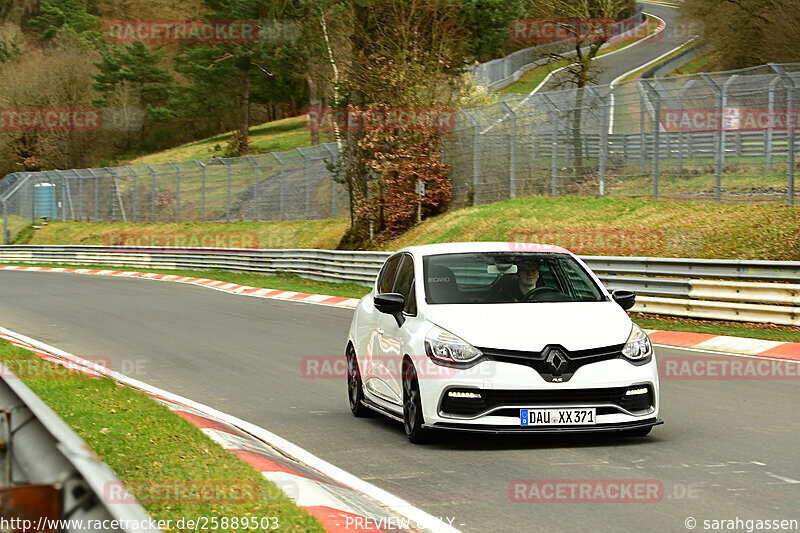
(289, 185)
(726, 135)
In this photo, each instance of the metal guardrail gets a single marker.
(739, 289)
(38, 448)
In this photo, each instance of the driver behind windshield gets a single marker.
(517, 287)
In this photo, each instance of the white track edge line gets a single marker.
(393, 502)
(626, 47)
(728, 354)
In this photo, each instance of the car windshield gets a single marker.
(497, 277)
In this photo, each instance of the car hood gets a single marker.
(532, 326)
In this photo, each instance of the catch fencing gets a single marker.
(720, 136)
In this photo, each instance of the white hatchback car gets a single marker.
(499, 337)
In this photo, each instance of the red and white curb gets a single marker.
(726, 344)
(341, 502)
(234, 288)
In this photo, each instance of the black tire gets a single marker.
(638, 432)
(413, 418)
(355, 389)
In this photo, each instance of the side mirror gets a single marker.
(624, 298)
(391, 303)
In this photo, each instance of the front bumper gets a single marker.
(498, 379)
(497, 430)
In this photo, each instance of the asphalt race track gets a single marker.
(728, 449)
(607, 69)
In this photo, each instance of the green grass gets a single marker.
(534, 77)
(276, 136)
(702, 63)
(149, 446)
(19, 228)
(291, 234)
(718, 327)
(680, 229)
(279, 282)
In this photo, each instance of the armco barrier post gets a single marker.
(512, 153)
(720, 139)
(790, 87)
(202, 189)
(177, 191)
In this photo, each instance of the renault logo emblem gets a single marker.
(557, 360)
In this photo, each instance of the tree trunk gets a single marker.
(313, 104)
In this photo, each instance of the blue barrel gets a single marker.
(44, 200)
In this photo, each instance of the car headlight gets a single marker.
(638, 345)
(441, 345)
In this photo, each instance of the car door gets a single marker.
(374, 373)
(392, 343)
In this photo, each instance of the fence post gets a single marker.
(476, 157)
(177, 191)
(512, 153)
(603, 148)
(656, 133)
(202, 189)
(133, 173)
(790, 121)
(768, 136)
(96, 186)
(6, 236)
(681, 96)
(335, 156)
(283, 184)
(555, 118)
(228, 203)
(116, 195)
(80, 194)
(67, 196)
(722, 115)
(720, 141)
(255, 186)
(642, 142)
(307, 166)
(152, 193)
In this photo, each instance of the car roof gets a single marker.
(472, 247)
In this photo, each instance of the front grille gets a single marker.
(538, 360)
(492, 398)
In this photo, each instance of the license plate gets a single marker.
(558, 417)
